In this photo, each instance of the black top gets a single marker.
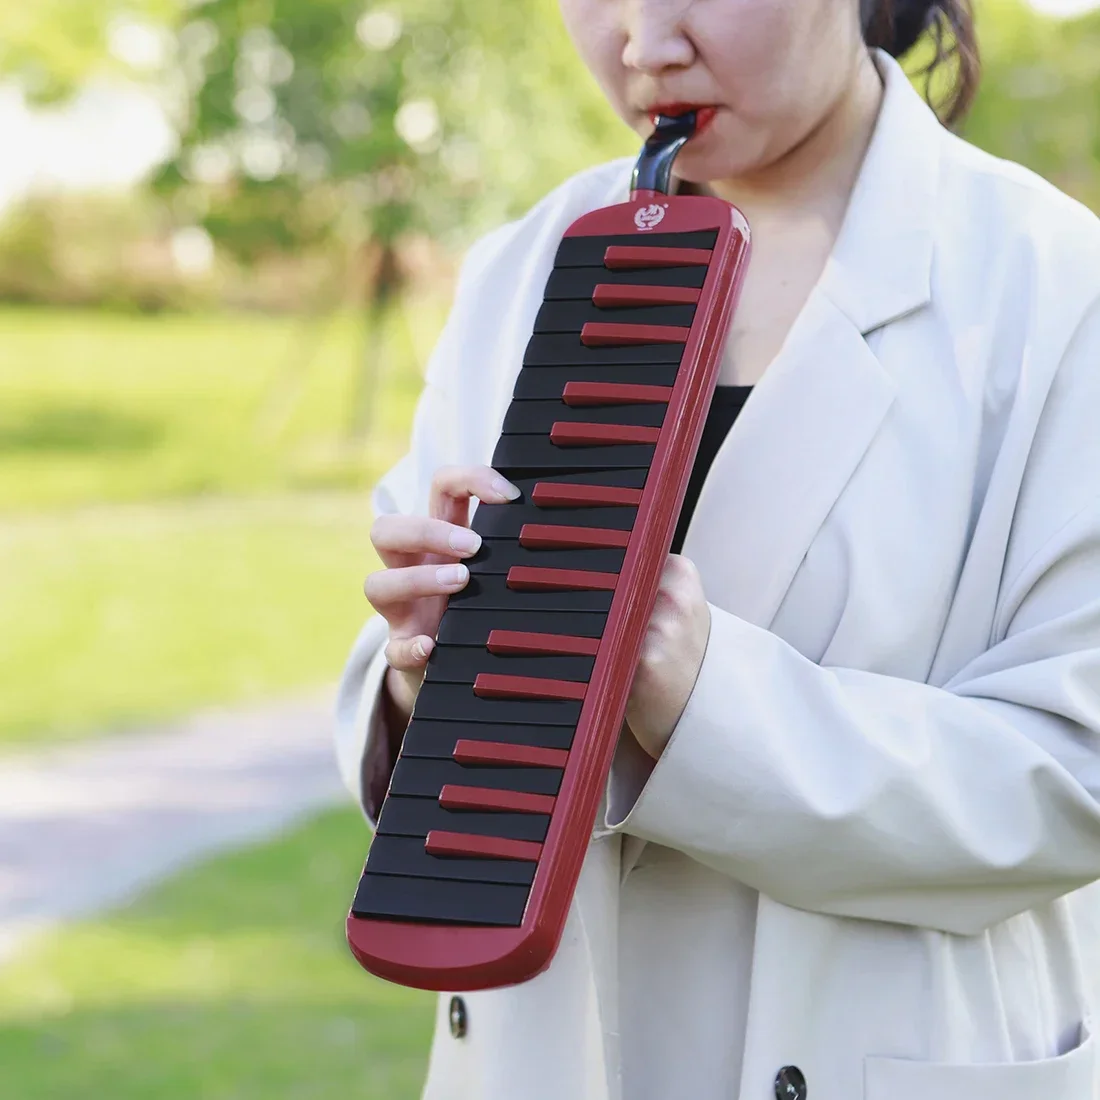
(724, 407)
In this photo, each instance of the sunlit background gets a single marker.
(228, 231)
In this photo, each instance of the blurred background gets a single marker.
(228, 231)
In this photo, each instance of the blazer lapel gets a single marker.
(811, 418)
(792, 450)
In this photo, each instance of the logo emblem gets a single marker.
(646, 217)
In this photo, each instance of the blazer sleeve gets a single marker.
(862, 795)
(365, 749)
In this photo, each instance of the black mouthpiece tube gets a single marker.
(653, 170)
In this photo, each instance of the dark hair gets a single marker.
(897, 25)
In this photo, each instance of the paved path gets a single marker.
(88, 826)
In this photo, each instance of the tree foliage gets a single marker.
(305, 118)
(52, 46)
(1039, 103)
(308, 122)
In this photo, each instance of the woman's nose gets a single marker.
(655, 36)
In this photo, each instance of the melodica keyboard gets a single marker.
(492, 800)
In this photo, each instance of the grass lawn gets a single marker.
(231, 982)
(127, 614)
(100, 407)
(182, 518)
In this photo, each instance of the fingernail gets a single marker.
(418, 650)
(505, 488)
(464, 540)
(451, 574)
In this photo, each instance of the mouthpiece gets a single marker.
(653, 170)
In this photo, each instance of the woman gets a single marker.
(852, 824)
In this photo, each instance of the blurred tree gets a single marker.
(349, 127)
(1038, 103)
(307, 120)
(51, 47)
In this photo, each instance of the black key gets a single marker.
(558, 350)
(526, 453)
(505, 521)
(460, 626)
(437, 740)
(581, 282)
(460, 665)
(457, 702)
(420, 778)
(538, 417)
(623, 479)
(394, 897)
(544, 383)
(419, 816)
(401, 855)
(488, 591)
(589, 251)
(571, 316)
(499, 555)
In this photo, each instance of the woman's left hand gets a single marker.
(671, 655)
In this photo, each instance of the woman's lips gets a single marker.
(704, 115)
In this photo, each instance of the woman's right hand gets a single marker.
(422, 558)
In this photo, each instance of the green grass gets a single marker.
(183, 519)
(232, 982)
(122, 615)
(99, 407)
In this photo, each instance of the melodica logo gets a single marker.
(646, 217)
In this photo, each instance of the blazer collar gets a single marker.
(881, 263)
(880, 267)
(813, 415)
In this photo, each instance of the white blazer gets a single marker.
(861, 869)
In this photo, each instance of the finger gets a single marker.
(387, 588)
(680, 581)
(676, 565)
(409, 654)
(453, 487)
(398, 538)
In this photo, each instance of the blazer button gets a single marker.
(790, 1084)
(457, 1015)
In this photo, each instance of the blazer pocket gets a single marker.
(1070, 1076)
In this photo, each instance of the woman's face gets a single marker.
(772, 69)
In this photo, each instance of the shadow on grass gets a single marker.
(232, 981)
(78, 429)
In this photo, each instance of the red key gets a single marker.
(610, 334)
(454, 796)
(566, 434)
(499, 752)
(614, 393)
(613, 296)
(631, 257)
(549, 494)
(504, 685)
(550, 536)
(508, 642)
(538, 578)
(439, 842)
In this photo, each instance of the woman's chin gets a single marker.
(699, 169)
